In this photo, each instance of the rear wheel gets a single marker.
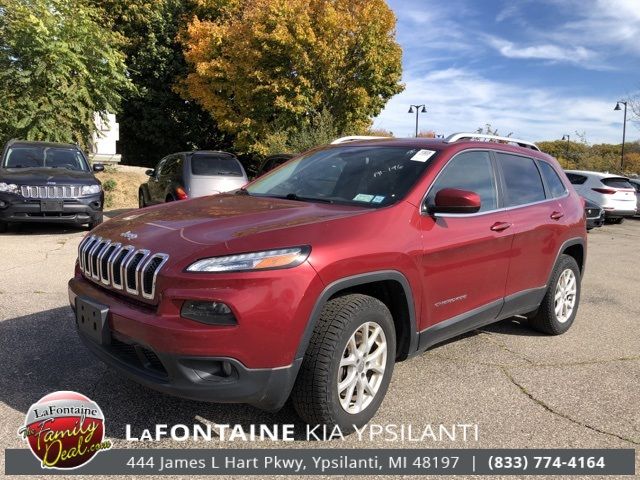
(560, 304)
(169, 198)
(616, 221)
(348, 365)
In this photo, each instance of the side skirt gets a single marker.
(516, 304)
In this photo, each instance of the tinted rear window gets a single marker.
(522, 180)
(576, 179)
(215, 165)
(615, 182)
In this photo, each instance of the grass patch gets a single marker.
(120, 185)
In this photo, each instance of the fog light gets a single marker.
(2, 204)
(212, 313)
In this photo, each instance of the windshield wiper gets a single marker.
(242, 191)
(293, 196)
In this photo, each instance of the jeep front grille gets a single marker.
(121, 267)
(51, 191)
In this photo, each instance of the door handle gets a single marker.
(500, 226)
(556, 215)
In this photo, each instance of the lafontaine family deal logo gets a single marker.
(64, 430)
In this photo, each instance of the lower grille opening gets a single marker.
(138, 356)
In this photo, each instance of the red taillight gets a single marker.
(181, 194)
(606, 191)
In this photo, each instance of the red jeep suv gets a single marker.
(313, 280)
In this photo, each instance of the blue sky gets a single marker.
(537, 68)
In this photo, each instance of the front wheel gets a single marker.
(141, 201)
(560, 304)
(348, 365)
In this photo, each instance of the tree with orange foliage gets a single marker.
(265, 67)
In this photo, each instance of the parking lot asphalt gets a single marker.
(522, 389)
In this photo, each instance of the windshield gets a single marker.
(212, 164)
(369, 176)
(45, 157)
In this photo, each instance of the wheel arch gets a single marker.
(391, 288)
(574, 247)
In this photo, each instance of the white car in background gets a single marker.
(613, 193)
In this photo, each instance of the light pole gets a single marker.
(419, 109)
(566, 137)
(624, 130)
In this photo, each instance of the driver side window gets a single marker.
(471, 171)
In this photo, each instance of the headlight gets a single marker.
(8, 187)
(270, 259)
(91, 189)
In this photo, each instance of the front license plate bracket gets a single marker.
(92, 320)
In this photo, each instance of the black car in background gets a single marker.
(48, 182)
(594, 214)
(636, 184)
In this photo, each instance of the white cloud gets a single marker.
(461, 100)
(578, 55)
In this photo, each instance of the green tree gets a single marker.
(154, 119)
(270, 67)
(58, 66)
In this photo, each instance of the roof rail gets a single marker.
(353, 138)
(490, 138)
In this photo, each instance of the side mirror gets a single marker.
(452, 200)
(151, 172)
(98, 167)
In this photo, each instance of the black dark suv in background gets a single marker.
(48, 182)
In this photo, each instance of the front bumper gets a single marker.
(594, 222)
(253, 362)
(77, 211)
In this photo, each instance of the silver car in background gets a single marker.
(191, 174)
(613, 193)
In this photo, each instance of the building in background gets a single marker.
(103, 142)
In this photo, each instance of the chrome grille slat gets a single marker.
(149, 293)
(132, 268)
(51, 191)
(121, 267)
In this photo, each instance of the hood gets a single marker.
(224, 224)
(44, 176)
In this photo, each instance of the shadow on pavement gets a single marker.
(41, 353)
(18, 229)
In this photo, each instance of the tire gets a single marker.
(4, 226)
(141, 201)
(169, 199)
(316, 395)
(546, 319)
(95, 223)
(614, 221)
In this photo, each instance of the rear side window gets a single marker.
(551, 178)
(522, 180)
(576, 179)
(172, 167)
(215, 165)
(471, 171)
(617, 182)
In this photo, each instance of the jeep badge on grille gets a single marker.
(129, 235)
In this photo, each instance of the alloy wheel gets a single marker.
(362, 367)
(565, 295)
